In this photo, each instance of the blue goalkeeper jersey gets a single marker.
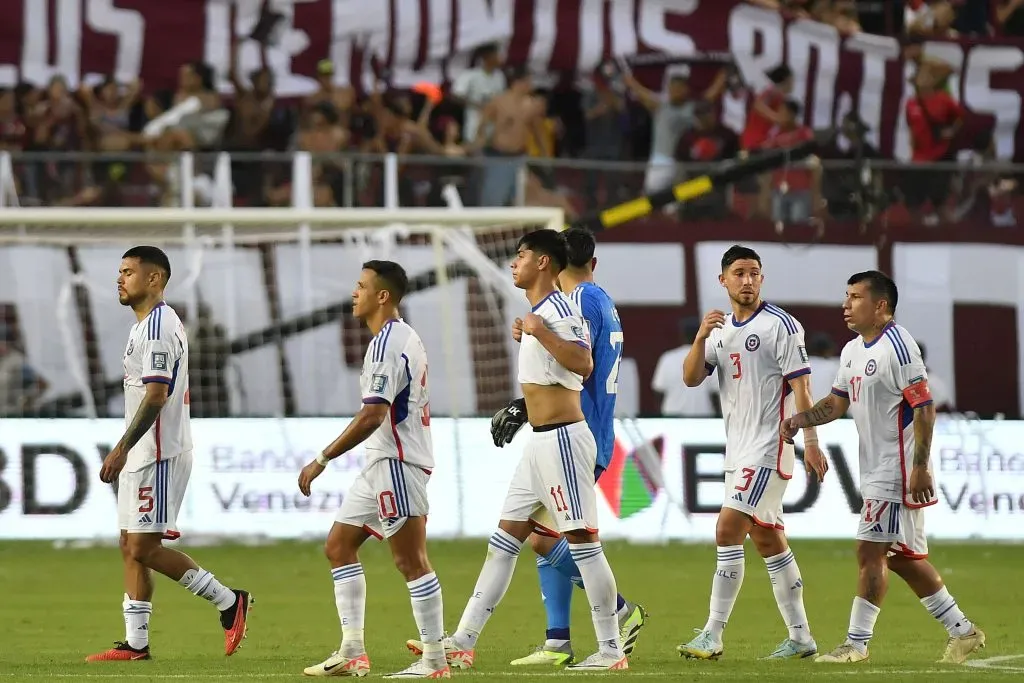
(599, 390)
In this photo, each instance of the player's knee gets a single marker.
(730, 530)
(412, 565)
(542, 545)
(338, 553)
(141, 548)
(126, 552)
(870, 558)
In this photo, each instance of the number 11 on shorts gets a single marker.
(556, 495)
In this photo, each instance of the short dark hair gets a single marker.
(153, 256)
(737, 252)
(547, 243)
(579, 246)
(392, 276)
(879, 284)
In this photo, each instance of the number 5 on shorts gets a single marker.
(146, 498)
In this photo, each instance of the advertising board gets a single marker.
(664, 482)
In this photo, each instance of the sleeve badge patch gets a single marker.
(158, 361)
(803, 353)
(378, 383)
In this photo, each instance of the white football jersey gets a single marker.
(536, 364)
(755, 361)
(157, 351)
(395, 372)
(884, 380)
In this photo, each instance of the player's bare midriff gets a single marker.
(551, 404)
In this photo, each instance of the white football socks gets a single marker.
(350, 599)
(599, 585)
(862, 624)
(789, 594)
(428, 611)
(204, 584)
(136, 621)
(943, 607)
(495, 577)
(725, 588)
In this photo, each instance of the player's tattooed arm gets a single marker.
(924, 426)
(145, 416)
(824, 411)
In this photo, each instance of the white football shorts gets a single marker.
(757, 492)
(556, 473)
(385, 494)
(889, 521)
(148, 500)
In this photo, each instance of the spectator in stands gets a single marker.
(603, 110)
(672, 116)
(341, 97)
(109, 113)
(845, 185)
(821, 352)
(1010, 18)
(679, 400)
(935, 119)
(985, 186)
(20, 385)
(706, 143)
(475, 87)
(932, 19)
(792, 194)
(768, 109)
(941, 397)
(59, 125)
(321, 135)
(197, 119)
(506, 124)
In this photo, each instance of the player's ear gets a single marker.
(721, 279)
(593, 263)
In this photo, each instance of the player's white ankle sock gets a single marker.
(136, 621)
(862, 623)
(428, 611)
(599, 584)
(943, 607)
(725, 588)
(350, 599)
(789, 594)
(495, 576)
(204, 584)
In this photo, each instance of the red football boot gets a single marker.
(121, 652)
(235, 621)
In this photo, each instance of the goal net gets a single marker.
(266, 297)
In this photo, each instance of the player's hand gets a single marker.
(712, 320)
(815, 462)
(788, 429)
(517, 330)
(308, 474)
(112, 465)
(921, 486)
(532, 323)
(508, 421)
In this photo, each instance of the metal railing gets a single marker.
(846, 189)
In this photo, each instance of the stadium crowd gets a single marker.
(570, 130)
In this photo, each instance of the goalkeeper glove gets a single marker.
(507, 421)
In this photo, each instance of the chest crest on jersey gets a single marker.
(870, 367)
(752, 343)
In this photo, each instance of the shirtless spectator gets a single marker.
(341, 97)
(1009, 19)
(109, 111)
(475, 87)
(322, 134)
(932, 19)
(506, 124)
(59, 125)
(13, 131)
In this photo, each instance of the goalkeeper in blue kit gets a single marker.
(557, 570)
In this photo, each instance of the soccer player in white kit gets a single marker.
(763, 372)
(153, 460)
(883, 382)
(389, 497)
(557, 468)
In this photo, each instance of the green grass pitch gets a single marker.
(56, 606)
